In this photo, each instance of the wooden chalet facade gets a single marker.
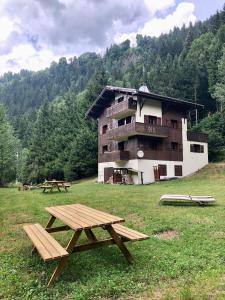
(143, 137)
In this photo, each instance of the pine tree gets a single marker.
(8, 150)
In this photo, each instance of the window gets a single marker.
(120, 99)
(174, 124)
(105, 148)
(163, 170)
(174, 146)
(197, 148)
(104, 129)
(124, 121)
(128, 120)
(178, 171)
(121, 146)
(152, 120)
(121, 122)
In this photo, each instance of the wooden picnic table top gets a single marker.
(79, 217)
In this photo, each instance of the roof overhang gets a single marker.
(108, 93)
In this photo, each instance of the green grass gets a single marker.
(191, 266)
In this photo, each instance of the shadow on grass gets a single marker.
(176, 203)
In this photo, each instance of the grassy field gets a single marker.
(189, 266)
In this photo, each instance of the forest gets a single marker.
(43, 130)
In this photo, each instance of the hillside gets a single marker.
(47, 107)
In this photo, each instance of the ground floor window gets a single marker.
(197, 148)
(178, 170)
(163, 170)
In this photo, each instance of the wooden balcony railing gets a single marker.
(197, 137)
(123, 132)
(122, 109)
(116, 156)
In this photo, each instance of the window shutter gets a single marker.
(159, 121)
(146, 119)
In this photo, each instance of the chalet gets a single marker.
(143, 137)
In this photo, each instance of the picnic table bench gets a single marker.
(55, 184)
(79, 218)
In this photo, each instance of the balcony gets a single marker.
(116, 156)
(197, 137)
(123, 132)
(123, 109)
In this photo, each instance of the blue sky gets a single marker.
(34, 33)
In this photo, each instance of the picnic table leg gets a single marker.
(58, 270)
(90, 235)
(49, 225)
(119, 243)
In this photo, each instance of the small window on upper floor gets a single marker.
(121, 146)
(197, 148)
(152, 120)
(120, 99)
(174, 146)
(124, 121)
(105, 148)
(174, 124)
(104, 129)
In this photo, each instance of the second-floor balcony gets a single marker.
(197, 137)
(123, 109)
(123, 132)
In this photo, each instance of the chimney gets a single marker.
(144, 88)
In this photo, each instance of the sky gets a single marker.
(35, 33)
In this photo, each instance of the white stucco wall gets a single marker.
(192, 161)
(150, 107)
(143, 165)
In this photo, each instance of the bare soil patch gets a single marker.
(167, 235)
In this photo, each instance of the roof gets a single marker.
(108, 94)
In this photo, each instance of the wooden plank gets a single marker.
(73, 215)
(119, 243)
(58, 229)
(58, 270)
(129, 233)
(71, 223)
(46, 245)
(90, 216)
(45, 254)
(52, 243)
(93, 245)
(109, 217)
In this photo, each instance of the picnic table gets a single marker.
(78, 218)
(54, 184)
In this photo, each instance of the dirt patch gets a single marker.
(219, 234)
(167, 235)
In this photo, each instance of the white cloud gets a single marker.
(183, 15)
(34, 33)
(156, 5)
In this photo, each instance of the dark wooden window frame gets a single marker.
(178, 170)
(104, 129)
(196, 148)
(174, 123)
(162, 170)
(105, 148)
